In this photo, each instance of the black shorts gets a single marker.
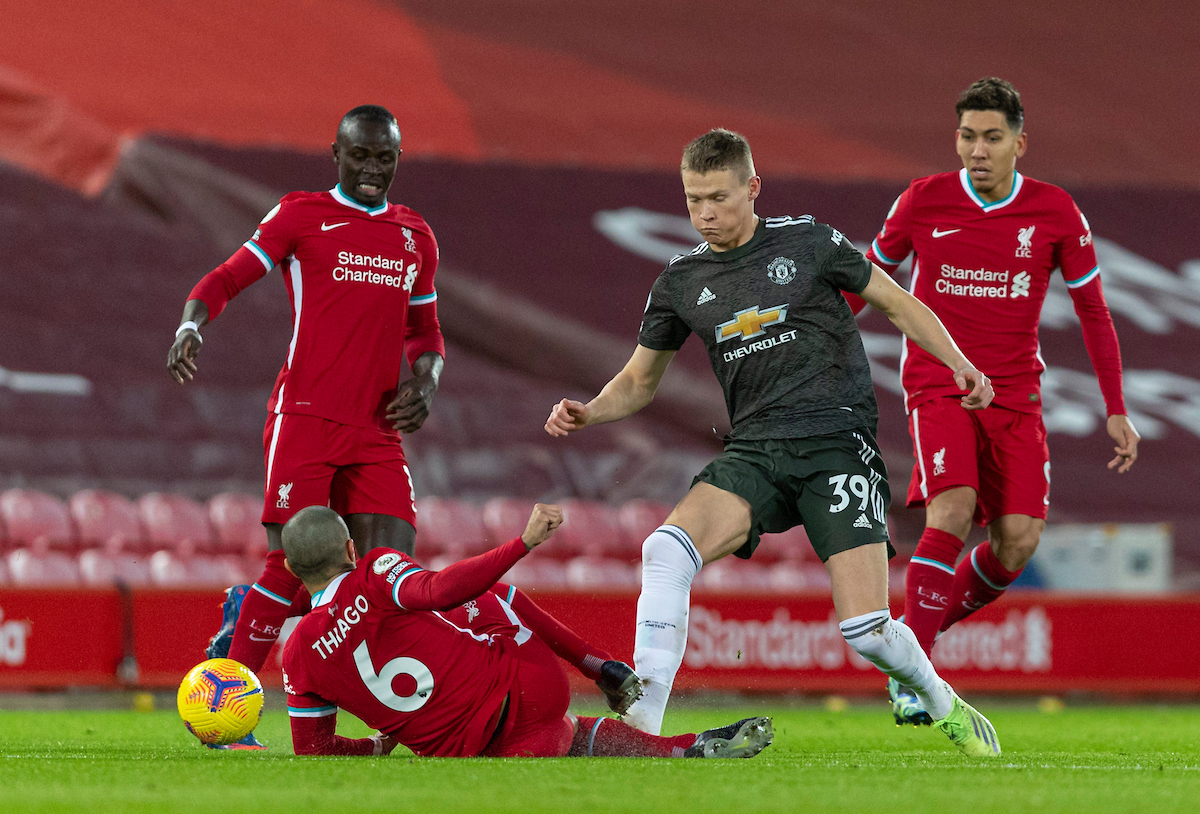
(835, 485)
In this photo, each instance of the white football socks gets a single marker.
(670, 562)
(893, 648)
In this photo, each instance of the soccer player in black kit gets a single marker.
(764, 294)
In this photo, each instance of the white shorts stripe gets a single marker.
(920, 454)
(274, 441)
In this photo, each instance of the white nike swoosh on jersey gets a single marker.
(325, 227)
(254, 638)
(940, 233)
(922, 604)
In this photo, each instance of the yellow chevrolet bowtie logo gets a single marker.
(750, 322)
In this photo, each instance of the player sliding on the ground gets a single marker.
(764, 296)
(396, 646)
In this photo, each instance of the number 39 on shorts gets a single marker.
(858, 486)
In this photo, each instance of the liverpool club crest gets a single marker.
(781, 271)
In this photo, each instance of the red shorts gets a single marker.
(315, 462)
(537, 724)
(1001, 454)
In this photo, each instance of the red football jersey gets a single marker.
(984, 269)
(433, 685)
(360, 281)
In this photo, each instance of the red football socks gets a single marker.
(928, 584)
(583, 656)
(978, 581)
(608, 737)
(265, 607)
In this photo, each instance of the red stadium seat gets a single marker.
(98, 567)
(505, 518)
(792, 545)
(602, 573)
(449, 526)
(168, 570)
(532, 573)
(172, 520)
(37, 567)
(104, 518)
(216, 572)
(589, 528)
(733, 574)
(237, 520)
(638, 518)
(33, 517)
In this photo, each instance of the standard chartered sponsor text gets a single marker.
(971, 279)
(346, 272)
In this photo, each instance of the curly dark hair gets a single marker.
(719, 149)
(993, 93)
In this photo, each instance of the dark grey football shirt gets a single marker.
(780, 336)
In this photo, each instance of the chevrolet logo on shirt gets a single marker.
(750, 322)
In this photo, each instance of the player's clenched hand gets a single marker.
(1122, 431)
(181, 358)
(384, 743)
(567, 416)
(979, 385)
(542, 523)
(409, 409)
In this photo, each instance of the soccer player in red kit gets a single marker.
(384, 643)
(359, 272)
(985, 241)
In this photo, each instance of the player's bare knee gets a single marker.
(1015, 552)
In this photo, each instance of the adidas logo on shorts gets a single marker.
(862, 522)
(705, 296)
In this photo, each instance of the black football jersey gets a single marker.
(781, 338)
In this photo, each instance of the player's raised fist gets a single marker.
(542, 523)
(979, 385)
(567, 416)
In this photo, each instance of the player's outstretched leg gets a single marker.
(218, 645)
(892, 647)
(605, 737)
(746, 738)
(670, 562)
(968, 730)
(620, 685)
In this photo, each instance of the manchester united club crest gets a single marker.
(781, 271)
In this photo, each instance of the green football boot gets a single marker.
(969, 731)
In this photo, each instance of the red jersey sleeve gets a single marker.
(271, 243)
(1076, 256)
(894, 241)
(423, 332)
(314, 730)
(418, 589)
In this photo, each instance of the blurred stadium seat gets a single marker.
(505, 518)
(733, 574)
(638, 518)
(33, 517)
(103, 517)
(792, 544)
(99, 567)
(532, 573)
(38, 566)
(237, 520)
(589, 528)
(589, 573)
(172, 520)
(449, 526)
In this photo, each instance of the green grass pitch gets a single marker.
(1081, 759)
